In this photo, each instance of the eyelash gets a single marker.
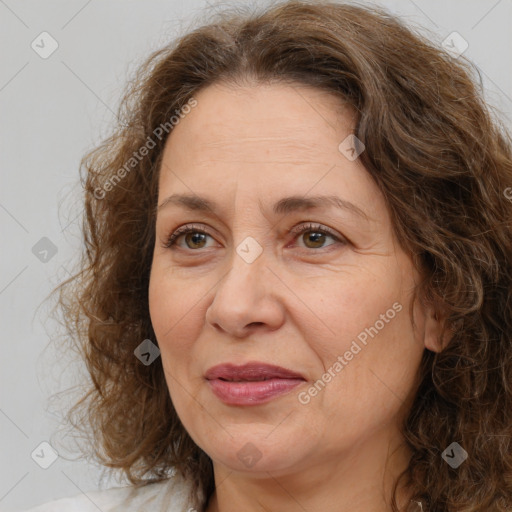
(303, 228)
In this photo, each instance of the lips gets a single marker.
(252, 371)
(251, 384)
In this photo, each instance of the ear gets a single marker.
(434, 322)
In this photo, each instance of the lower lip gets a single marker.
(252, 393)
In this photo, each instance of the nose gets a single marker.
(246, 300)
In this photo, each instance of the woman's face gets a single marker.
(330, 304)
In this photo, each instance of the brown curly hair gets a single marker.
(444, 165)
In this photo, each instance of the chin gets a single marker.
(254, 450)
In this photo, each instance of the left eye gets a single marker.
(195, 236)
(315, 234)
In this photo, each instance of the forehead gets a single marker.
(280, 123)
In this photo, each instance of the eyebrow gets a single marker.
(284, 206)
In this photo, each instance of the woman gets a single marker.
(296, 289)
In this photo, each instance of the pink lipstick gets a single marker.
(253, 383)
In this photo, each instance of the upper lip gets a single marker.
(253, 370)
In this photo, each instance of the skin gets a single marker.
(299, 305)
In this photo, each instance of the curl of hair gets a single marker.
(438, 156)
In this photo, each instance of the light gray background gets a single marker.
(52, 111)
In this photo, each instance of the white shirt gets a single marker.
(171, 495)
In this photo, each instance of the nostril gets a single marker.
(254, 323)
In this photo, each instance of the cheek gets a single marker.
(174, 307)
(333, 312)
(365, 321)
(173, 330)
(173, 311)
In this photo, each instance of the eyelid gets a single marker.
(315, 226)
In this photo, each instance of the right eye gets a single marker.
(193, 235)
